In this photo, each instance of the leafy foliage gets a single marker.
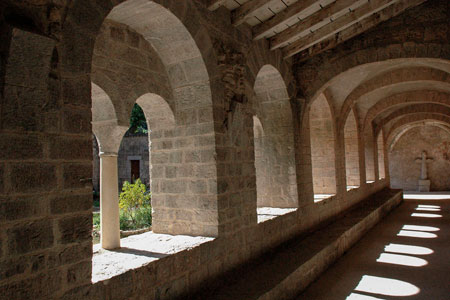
(138, 123)
(134, 202)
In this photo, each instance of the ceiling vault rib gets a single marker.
(356, 29)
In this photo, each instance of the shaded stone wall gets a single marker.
(208, 180)
(351, 151)
(322, 147)
(405, 171)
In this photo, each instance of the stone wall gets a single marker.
(134, 148)
(405, 170)
(203, 161)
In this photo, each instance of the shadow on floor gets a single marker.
(406, 256)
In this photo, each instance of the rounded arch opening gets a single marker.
(381, 156)
(273, 142)
(351, 152)
(322, 137)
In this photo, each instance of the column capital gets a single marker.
(108, 154)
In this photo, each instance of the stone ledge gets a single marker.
(139, 250)
(299, 261)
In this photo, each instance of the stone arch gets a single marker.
(351, 152)
(370, 153)
(128, 67)
(381, 156)
(260, 57)
(169, 26)
(393, 79)
(322, 136)
(398, 132)
(102, 107)
(104, 121)
(274, 153)
(157, 111)
(411, 109)
(316, 76)
(393, 128)
(410, 97)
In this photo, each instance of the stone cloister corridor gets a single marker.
(403, 257)
(289, 147)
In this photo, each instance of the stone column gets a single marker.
(109, 201)
(109, 135)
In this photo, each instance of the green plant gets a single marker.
(134, 202)
(138, 124)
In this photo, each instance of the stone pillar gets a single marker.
(109, 201)
(109, 136)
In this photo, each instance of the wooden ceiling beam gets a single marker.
(358, 28)
(259, 31)
(248, 10)
(337, 25)
(292, 33)
(215, 4)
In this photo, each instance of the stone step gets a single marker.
(288, 269)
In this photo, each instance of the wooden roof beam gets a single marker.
(259, 31)
(248, 10)
(337, 25)
(358, 28)
(214, 4)
(292, 33)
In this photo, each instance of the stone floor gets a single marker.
(406, 256)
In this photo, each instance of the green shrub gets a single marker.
(135, 207)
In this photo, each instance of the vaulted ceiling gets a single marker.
(308, 27)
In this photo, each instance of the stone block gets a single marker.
(77, 91)
(86, 292)
(70, 148)
(75, 229)
(77, 121)
(173, 186)
(77, 175)
(30, 236)
(70, 204)
(69, 255)
(32, 177)
(22, 207)
(20, 147)
(79, 273)
(32, 287)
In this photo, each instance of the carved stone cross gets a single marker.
(423, 168)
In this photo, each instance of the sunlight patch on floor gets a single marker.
(423, 215)
(408, 249)
(417, 234)
(420, 228)
(386, 286)
(403, 260)
(356, 296)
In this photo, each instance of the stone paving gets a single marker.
(404, 257)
